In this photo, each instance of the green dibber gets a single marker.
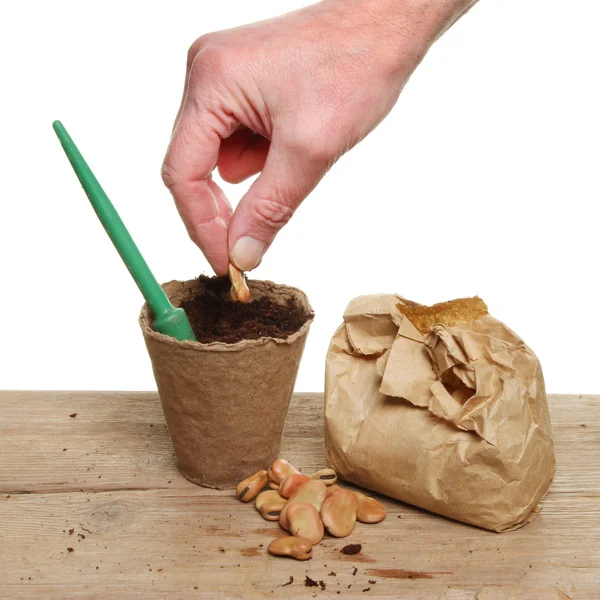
(167, 319)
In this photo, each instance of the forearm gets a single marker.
(402, 26)
(435, 13)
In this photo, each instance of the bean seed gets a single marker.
(291, 546)
(270, 504)
(279, 470)
(313, 492)
(327, 476)
(369, 509)
(273, 485)
(291, 483)
(305, 522)
(339, 512)
(239, 288)
(248, 489)
(333, 488)
(271, 512)
(283, 520)
(269, 497)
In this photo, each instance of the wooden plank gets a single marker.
(117, 440)
(206, 538)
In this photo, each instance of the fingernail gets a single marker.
(247, 253)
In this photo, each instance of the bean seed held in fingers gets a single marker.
(305, 522)
(327, 476)
(279, 470)
(248, 489)
(313, 492)
(291, 483)
(369, 510)
(239, 288)
(339, 513)
(291, 546)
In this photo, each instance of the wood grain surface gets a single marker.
(92, 506)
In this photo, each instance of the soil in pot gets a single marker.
(216, 318)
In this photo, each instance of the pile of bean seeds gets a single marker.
(306, 506)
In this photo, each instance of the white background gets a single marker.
(483, 180)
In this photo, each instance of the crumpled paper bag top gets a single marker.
(443, 407)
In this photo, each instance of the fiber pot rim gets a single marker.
(262, 287)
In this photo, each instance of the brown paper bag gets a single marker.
(225, 404)
(441, 407)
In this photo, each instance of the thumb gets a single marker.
(288, 177)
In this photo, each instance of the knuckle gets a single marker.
(319, 152)
(315, 147)
(168, 174)
(272, 213)
(209, 63)
(202, 43)
(193, 51)
(193, 235)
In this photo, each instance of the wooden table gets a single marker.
(92, 506)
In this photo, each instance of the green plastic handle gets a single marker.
(167, 319)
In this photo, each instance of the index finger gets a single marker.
(187, 168)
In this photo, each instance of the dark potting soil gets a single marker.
(216, 318)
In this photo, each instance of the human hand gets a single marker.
(287, 97)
